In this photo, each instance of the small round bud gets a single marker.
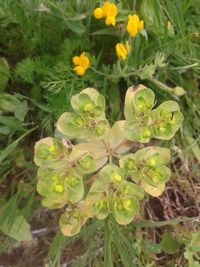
(89, 107)
(127, 203)
(179, 91)
(146, 132)
(100, 128)
(98, 111)
(59, 188)
(153, 160)
(126, 189)
(79, 120)
(52, 148)
(116, 177)
(55, 178)
(87, 162)
(120, 206)
(72, 181)
(130, 164)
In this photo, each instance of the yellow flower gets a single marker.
(122, 50)
(98, 13)
(134, 25)
(82, 63)
(109, 11)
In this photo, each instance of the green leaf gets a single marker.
(8, 103)
(19, 229)
(4, 73)
(21, 111)
(75, 26)
(9, 149)
(107, 31)
(169, 244)
(12, 123)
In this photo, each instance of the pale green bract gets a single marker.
(98, 176)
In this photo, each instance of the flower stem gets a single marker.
(107, 244)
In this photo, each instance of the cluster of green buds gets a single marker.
(88, 119)
(112, 193)
(147, 167)
(98, 176)
(61, 171)
(144, 122)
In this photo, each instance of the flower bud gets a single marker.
(146, 132)
(127, 203)
(72, 181)
(98, 111)
(79, 121)
(88, 107)
(86, 162)
(126, 189)
(153, 160)
(179, 91)
(59, 188)
(100, 128)
(130, 164)
(117, 177)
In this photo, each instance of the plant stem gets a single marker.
(107, 244)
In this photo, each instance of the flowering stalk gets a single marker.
(107, 244)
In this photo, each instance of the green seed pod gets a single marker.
(100, 208)
(79, 120)
(42, 151)
(127, 204)
(72, 181)
(130, 164)
(116, 177)
(86, 162)
(98, 111)
(146, 132)
(59, 188)
(143, 100)
(126, 189)
(154, 160)
(101, 127)
(88, 107)
(156, 175)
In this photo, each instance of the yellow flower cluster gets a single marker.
(82, 63)
(134, 25)
(109, 11)
(122, 50)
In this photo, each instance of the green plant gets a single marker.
(99, 176)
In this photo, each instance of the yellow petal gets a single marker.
(105, 8)
(127, 46)
(132, 28)
(84, 61)
(76, 60)
(110, 21)
(79, 70)
(141, 25)
(134, 18)
(121, 51)
(98, 13)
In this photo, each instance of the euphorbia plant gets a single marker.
(98, 176)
